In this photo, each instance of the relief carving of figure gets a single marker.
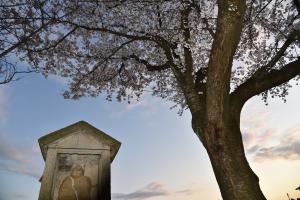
(76, 186)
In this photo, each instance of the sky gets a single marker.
(160, 157)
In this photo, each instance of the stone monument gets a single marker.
(78, 159)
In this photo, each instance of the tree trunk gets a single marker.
(225, 148)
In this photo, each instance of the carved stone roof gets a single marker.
(50, 138)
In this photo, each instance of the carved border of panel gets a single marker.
(60, 162)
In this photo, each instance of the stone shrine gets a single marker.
(78, 159)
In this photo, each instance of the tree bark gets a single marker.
(225, 148)
(219, 129)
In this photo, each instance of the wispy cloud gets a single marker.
(12, 158)
(10, 152)
(154, 189)
(263, 143)
(146, 106)
(17, 160)
(61, 80)
(288, 147)
(13, 196)
(3, 103)
(18, 196)
(255, 129)
(186, 191)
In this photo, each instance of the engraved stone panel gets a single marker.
(76, 177)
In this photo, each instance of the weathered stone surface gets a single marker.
(78, 161)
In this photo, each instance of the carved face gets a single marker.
(77, 171)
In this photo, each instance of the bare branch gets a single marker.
(8, 72)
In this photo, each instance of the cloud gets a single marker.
(12, 158)
(146, 106)
(20, 169)
(16, 160)
(263, 143)
(18, 196)
(58, 79)
(3, 103)
(151, 190)
(288, 147)
(154, 189)
(14, 196)
(287, 152)
(255, 129)
(186, 192)
(10, 152)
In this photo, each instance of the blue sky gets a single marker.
(160, 157)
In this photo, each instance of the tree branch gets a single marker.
(156, 39)
(110, 55)
(256, 85)
(56, 43)
(259, 81)
(8, 72)
(290, 39)
(22, 41)
(184, 25)
(204, 20)
(227, 37)
(208, 28)
(148, 65)
(161, 42)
